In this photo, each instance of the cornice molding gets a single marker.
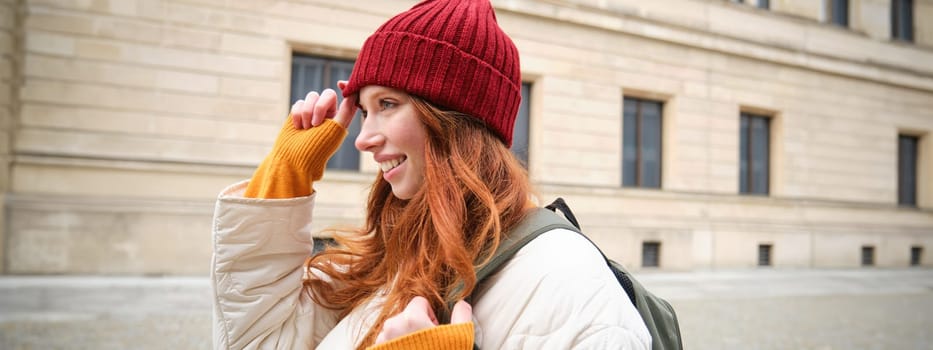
(913, 72)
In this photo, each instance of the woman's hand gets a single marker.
(314, 108)
(303, 146)
(418, 315)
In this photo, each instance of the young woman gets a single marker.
(438, 90)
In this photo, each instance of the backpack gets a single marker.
(657, 313)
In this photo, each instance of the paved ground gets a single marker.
(752, 309)
(802, 309)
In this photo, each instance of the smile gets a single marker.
(392, 164)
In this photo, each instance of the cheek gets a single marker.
(412, 139)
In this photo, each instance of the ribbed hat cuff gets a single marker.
(441, 73)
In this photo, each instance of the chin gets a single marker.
(402, 195)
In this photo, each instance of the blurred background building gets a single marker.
(686, 134)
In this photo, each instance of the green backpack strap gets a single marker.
(539, 221)
(535, 223)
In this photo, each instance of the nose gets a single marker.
(369, 137)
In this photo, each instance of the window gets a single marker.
(902, 20)
(641, 143)
(311, 73)
(764, 4)
(520, 132)
(754, 154)
(764, 255)
(916, 255)
(650, 254)
(868, 255)
(907, 170)
(321, 243)
(839, 12)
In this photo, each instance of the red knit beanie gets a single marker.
(450, 52)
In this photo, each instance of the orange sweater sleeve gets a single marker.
(297, 159)
(445, 337)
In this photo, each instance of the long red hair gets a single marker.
(474, 191)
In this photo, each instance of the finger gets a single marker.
(308, 108)
(462, 313)
(401, 325)
(382, 338)
(295, 115)
(419, 306)
(346, 112)
(326, 107)
(416, 316)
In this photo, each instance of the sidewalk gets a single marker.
(766, 283)
(104, 313)
(770, 309)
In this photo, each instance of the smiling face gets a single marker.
(395, 135)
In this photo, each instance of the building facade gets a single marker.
(685, 134)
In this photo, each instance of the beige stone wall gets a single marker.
(134, 114)
(9, 39)
(923, 29)
(809, 9)
(872, 17)
(835, 126)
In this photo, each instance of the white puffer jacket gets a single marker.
(555, 293)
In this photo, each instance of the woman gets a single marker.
(447, 193)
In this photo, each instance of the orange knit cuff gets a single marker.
(445, 337)
(297, 159)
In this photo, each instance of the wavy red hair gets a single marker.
(474, 191)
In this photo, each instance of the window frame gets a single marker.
(765, 254)
(837, 16)
(868, 255)
(916, 255)
(747, 134)
(639, 127)
(645, 247)
(907, 182)
(523, 122)
(347, 157)
(902, 20)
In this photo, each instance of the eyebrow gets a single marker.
(379, 94)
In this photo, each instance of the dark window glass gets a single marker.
(641, 143)
(902, 20)
(754, 153)
(650, 254)
(764, 255)
(868, 255)
(316, 74)
(839, 12)
(765, 4)
(321, 243)
(907, 170)
(520, 132)
(916, 255)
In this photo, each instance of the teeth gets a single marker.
(391, 164)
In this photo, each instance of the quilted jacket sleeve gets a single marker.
(260, 246)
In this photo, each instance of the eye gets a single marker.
(362, 110)
(386, 104)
